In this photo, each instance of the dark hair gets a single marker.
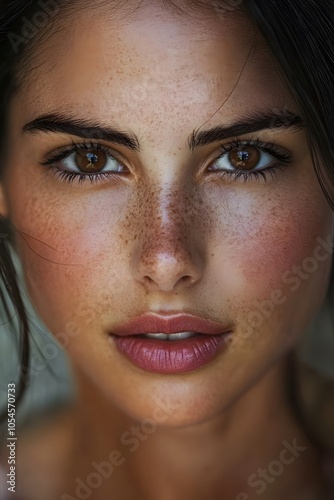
(300, 35)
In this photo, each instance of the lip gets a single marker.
(170, 357)
(157, 323)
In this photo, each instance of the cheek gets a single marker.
(69, 247)
(267, 252)
(263, 246)
(265, 233)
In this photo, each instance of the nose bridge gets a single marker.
(166, 252)
(168, 215)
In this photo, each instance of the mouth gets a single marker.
(170, 344)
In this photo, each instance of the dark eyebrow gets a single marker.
(246, 125)
(82, 128)
(89, 130)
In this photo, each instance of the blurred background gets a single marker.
(51, 385)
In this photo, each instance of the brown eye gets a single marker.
(249, 160)
(246, 158)
(90, 161)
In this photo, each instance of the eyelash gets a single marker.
(283, 157)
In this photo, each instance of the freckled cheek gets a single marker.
(79, 251)
(257, 251)
(267, 253)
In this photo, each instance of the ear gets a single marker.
(3, 201)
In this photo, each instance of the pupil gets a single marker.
(242, 155)
(246, 158)
(91, 157)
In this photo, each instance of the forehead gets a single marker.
(147, 60)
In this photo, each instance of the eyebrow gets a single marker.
(82, 128)
(90, 130)
(255, 122)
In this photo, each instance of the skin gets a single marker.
(96, 255)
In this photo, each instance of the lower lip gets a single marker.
(175, 356)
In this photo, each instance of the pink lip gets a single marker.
(149, 323)
(168, 357)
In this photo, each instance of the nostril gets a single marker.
(148, 280)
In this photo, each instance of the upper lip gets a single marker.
(156, 323)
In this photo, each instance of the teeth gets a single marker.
(170, 336)
(181, 335)
(161, 336)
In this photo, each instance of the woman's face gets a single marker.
(169, 227)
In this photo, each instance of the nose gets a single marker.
(166, 269)
(167, 256)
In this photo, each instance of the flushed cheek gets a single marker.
(259, 239)
(253, 270)
(75, 246)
